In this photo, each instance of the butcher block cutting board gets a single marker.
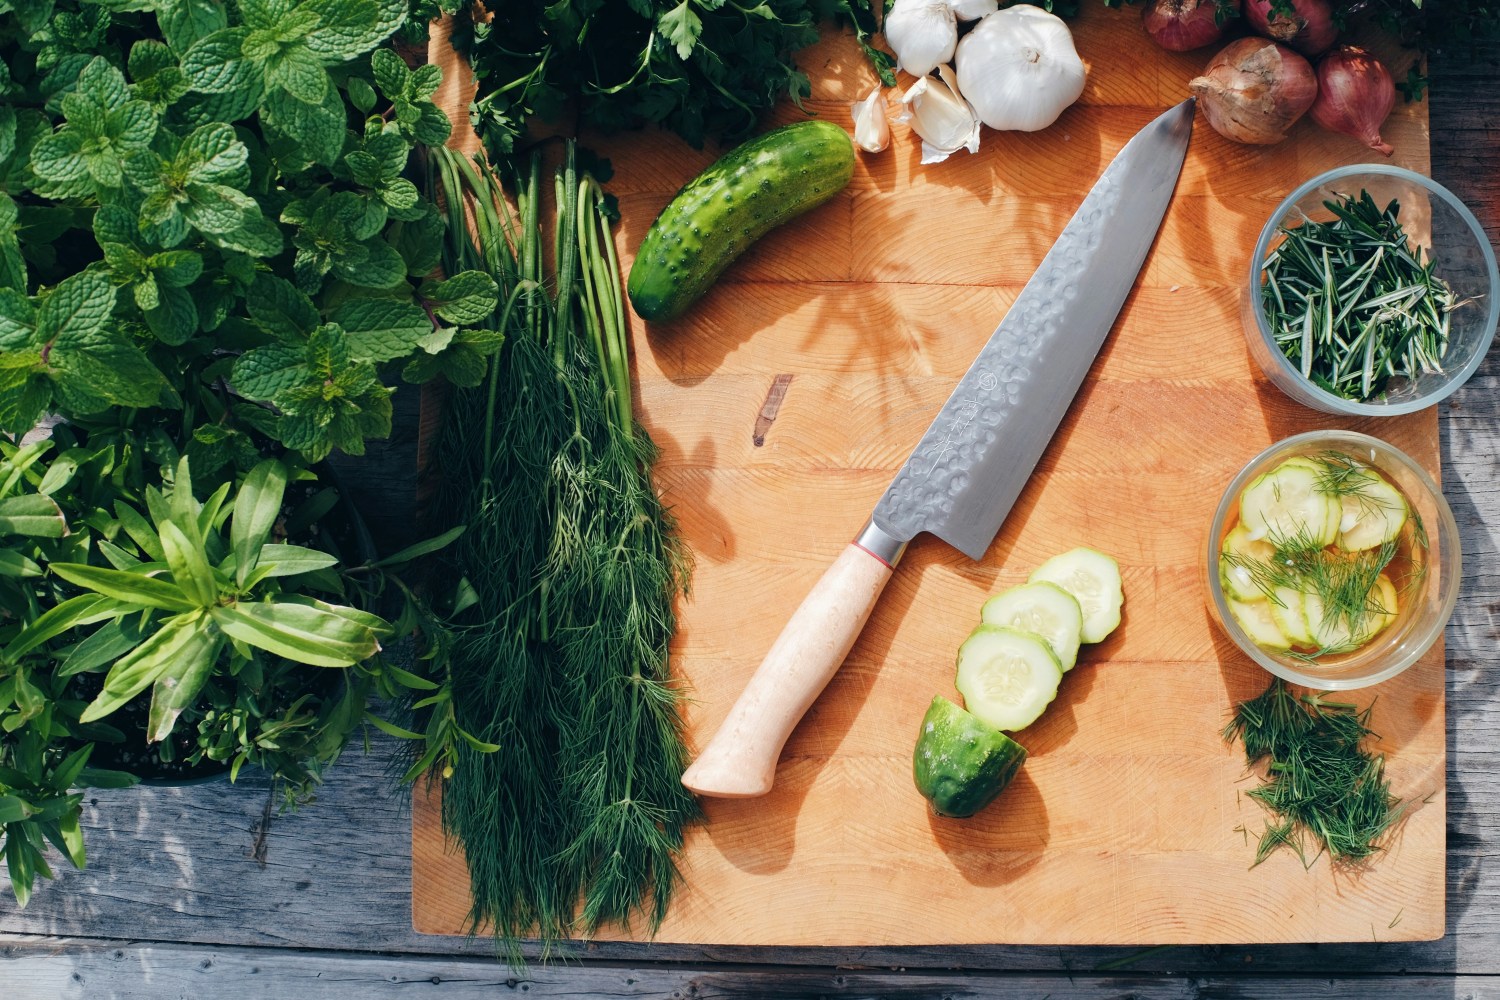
(784, 402)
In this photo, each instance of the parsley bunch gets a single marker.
(698, 67)
(211, 208)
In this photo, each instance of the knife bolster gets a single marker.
(883, 546)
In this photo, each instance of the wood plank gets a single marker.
(865, 311)
(126, 970)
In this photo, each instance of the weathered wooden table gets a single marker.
(205, 891)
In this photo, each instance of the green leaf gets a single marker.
(85, 609)
(106, 644)
(32, 515)
(183, 638)
(361, 94)
(96, 777)
(190, 568)
(374, 623)
(72, 839)
(70, 768)
(379, 266)
(184, 22)
(256, 507)
(213, 154)
(299, 73)
(16, 565)
(422, 548)
(213, 65)
(78, 307)
(391, 73)
(304, 634)
(381, 329)
(265, 372)
(288, 560)
(139, 530)
(317, 129)
(20, 861)
(681, 27)
(348, 29)
(13, 809)
(133, 589)
(97, 373)
(466, 298)
(177, 687)
(174, 319)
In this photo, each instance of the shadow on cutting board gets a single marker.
(1002, 841)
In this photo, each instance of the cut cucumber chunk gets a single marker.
(1093, 579)
(1290, 614)
(1007, 677)
(1371, 512)
(960, 764)
(1256, 619)
(1334, 633)
(1286, 507)
(1044, 609)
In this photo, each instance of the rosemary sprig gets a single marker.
(1320, 783)
(1352, 303)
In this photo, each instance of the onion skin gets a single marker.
(1355, 96)
(1311, 32)
(1182, 25)
(1254, 90)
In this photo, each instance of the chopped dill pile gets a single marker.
(1321, 784)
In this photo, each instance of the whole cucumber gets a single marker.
(750, 190)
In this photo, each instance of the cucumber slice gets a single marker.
(960, 764)
(1332, 633)
(1255, 618)
(1286, 508)
(1093, 579)
(1044, 609)
(1372, 512)
(1386, 603)
(1290, 614)
(1240, 552)
(1007, 677)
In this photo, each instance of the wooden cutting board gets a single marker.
(784, 403)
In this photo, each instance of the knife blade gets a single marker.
(965, 473)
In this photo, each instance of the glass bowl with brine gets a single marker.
(1371, 292)
(1333, 560)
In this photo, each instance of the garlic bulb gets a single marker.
(923, 33)
(939, 114)
(872, 130)
(1019, 69)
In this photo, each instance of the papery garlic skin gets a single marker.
(937, 111)
(923, 33)
(1019, 69)
(872, 130)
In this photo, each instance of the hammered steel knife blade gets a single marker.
(963, 476)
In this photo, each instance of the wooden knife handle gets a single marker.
(740, 761)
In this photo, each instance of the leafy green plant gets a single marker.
(184, 183)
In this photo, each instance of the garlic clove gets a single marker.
(937, 111)
(922, 33)
(971, 10)
(872, 130)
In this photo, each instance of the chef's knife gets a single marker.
(963, 476)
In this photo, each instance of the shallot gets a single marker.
(1180, 25)
(1310, 29)
(1355, 95)
(1254, 90)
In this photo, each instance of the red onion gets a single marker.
(1180, 25)
(1355, 95)
(1310, 31)
(1254, 90)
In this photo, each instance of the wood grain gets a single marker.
(1129, 824)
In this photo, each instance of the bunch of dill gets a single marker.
(569, 807)
(1320, 782)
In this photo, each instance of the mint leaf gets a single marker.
(463, 362)
(76, 309)
(12, 265)
(265, 372)
(279, 308)
(466, 298)
(214, 64)
(213, 154)
(348, 29)
(381, 329)
(174, 319)
(316, 131)
(185, 22)
(372, 264)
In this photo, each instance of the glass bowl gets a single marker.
(1433, 219)
(1430, 581)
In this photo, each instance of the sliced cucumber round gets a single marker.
(1289, 612)
(1044, 609)
(1256, 619)
(1332, 631)
(1007, 677)
(1287, 507)
(1093, 579)
(1239, 553)
(1372, 512)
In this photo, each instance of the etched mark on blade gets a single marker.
(1001, 380)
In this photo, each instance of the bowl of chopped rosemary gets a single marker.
(1333, 560)
(1371, 292)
